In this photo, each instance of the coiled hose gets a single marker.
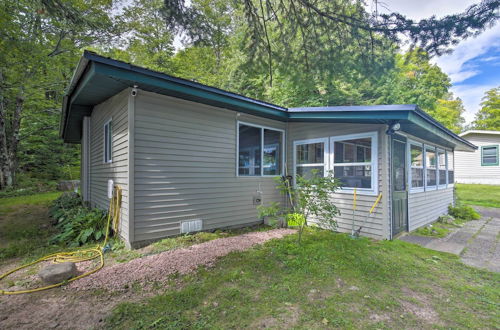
(79, 255)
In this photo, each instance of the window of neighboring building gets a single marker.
(260, 150)
(441, 157)
(108, 142)
(430, 166)
(355, 160)
(417, 166)
(450, 163)
(310, 155)
(489, 155)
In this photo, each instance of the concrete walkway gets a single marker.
(477, 242)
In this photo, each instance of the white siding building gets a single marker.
(481, 166)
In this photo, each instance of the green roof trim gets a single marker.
(97, 78)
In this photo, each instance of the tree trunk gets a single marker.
(3, 138)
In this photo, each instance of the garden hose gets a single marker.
(79, 255)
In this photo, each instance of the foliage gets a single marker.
(329, 276)
(434, 230)
(488, 117)
(449, 112)
(77, 224)
(478, 194)
(464, 213)
(310, 201)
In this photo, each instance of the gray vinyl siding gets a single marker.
(425, 207)
(468, 168)
(114, 108)
(185, 168)
(376, 226)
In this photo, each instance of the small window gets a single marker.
(431, 166)
(108, 142)
(310, 155)
(354, 160)
(489, 156)
(450, 162)
(442, 167)
(417, 166)
(260, 151)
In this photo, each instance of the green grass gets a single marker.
(478, 194)
(25, 227)
(437, 230)
(328, 281)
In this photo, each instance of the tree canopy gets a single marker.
(488, 117)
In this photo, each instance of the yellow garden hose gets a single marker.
(79, 255)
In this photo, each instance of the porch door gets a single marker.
(399, 186)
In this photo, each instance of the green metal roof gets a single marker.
(97, 78)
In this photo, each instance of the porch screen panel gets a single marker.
(442, 167)
(451, 162)
(431, 166)
(272, 162)
(417, 166)
(353, 162)
(310, 158)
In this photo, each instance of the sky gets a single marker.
(474, 64)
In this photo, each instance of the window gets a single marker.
(441, 157)
(431, 166)
(260, 150)
(450, 162)
(354, 160)
(310, 155)
(417, 165)
(108, 142)
(489, 156)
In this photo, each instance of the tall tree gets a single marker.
(488, 117)
(39, 46)
(449, 112)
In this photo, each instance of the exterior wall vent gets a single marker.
(191, 226)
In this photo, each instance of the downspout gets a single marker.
(130, 236)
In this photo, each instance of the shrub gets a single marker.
(464, 213)
(77, 224)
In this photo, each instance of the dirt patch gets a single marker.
(423, 309)
(85, 303)
(288, 318)
(159, 266)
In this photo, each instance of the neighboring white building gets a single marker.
(481, 166)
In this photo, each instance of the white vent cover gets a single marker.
(191, 226)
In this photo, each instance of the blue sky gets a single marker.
(474, 65)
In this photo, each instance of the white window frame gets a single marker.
(448, 184)
(421, 145)
(374, 161)
(427, 187)
(310, 141)
(438, 175)
(108, 123)
(262, 128)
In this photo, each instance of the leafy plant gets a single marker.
(464, 213)
(77, 224)
(310, 200)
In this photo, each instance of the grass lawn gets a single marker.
(328, 281)
(479, 194)
(25, 226)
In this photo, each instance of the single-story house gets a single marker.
(191, 157)
(482, 165)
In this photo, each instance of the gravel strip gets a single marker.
(185, 260)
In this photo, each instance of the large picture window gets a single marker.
(260, 150)
(489, 155)
(431, 166)
(417, 166)
(310, 155)
(441, 158)
(354, 160)
(108, 142)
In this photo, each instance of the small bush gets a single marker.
(77, 224)
(464, 213)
